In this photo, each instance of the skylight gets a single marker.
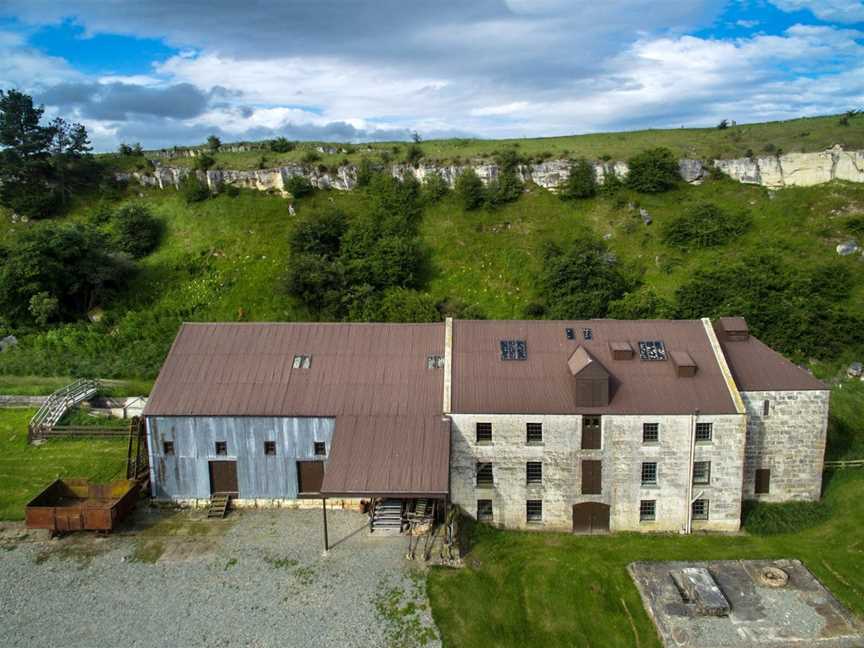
(652, 350)
(514, 350)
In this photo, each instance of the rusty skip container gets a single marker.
(77, 505)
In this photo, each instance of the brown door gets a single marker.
(310, 474)
(592, 477)
(590, 517)
(223, 477)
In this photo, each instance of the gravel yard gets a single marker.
(257, 578)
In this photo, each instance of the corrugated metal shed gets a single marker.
(543, 384)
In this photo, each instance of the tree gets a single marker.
(203, 162)
(580, 280)
(640, 304)
(281, 145)
(213, 143)
(395, 305)
(413, 153)
(581, 183)
(705, 225)
(193, 190)
(653, 171)
(723, 125)
(319, 233)
(299, 186)
(435, 187)
(469, 188)
(136, 231)
(72, 168)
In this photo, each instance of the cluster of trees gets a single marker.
(41, 166)
(505, 187)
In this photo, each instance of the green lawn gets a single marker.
(796, 135)
(25, 470)
(523, 588)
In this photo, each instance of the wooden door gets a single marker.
(223, 477)
(310, 475)
(590, 517)
(592, 477)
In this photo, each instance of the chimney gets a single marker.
(685, 366)
(734, 329)
(621, 350)
(591, 379)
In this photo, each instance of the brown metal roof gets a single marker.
(543, 384)
(757, 367)
(372, 378)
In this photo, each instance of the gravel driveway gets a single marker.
(257, 578)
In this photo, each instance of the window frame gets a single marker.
(269, 448)
(533, 429)
(706, 425)
(535, 517)
(168, 449)
(705, 515)
(534, 479)
(477, 428)
(220, 448)
(315, 447)
(644, 515)
(480, 470)
(482, 514)
(707, 478)
(649, 482)
(652, 426)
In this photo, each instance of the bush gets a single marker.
(413, 154)
(136, 231)
(581, 183)
(395, 305)
(640, 304)
(319, 233)
(705, 225)
(469, 188)
(281, 145)
(458, 309)
(310, 157)
(213, 143)
(763, 518)
(507, 187)
(435, 187)
(230, 190)
(653, 171)
(203, 162)
(193, 190)
(299, 186)
(855, 225)
(365, 170)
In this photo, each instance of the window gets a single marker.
(700, 509)
(484, 433)
(701, 472)
(319, 448)
(168, 448)
(534, 433)
(270, 448)
(534, 510)
(302, 362)
(649, 473)
(592, 477)
(704, 432)
(514, 350)
(650, 432)
(484, 510)
(591, 433)
(587, 333)
(434, 362)
(534, 472)
(766, 408)
(221, 448)
(484, 474)
(647, 510)
(763, 481)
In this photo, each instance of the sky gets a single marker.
(171, 73)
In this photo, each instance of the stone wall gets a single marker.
(790, 442)
(791, 169)
(672, 453)
(622, 453)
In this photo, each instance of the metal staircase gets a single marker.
(387, 516)
(58, 403)
(218, 505)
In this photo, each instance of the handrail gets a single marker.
(58, 403)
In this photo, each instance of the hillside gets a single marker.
(797, 135)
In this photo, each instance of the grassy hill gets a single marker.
(769, 138)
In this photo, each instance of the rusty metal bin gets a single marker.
(77, 505)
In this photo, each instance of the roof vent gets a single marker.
(735, 329)
(685, 366)
(569, 333)
(591, 378)
(621, 350)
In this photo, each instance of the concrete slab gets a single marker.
(767, 608)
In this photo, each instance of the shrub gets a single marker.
(764, 518)
(213, 143)
(319, 233)
(705, 225)
(855, 225)
(136, 231)
(395, 305)
(653, 171)
(723, 125)
(203, 162)
(281, 145)
(640, 304)
(413, 154)
(507, 187)
(310, 157)
(193, 190)
(365, 170)
(458, 309)
(230, 190)
(299, 186)
(581, 183)
(435, 187)
(469, 188)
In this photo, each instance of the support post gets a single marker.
(324, 509)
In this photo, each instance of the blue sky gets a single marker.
(165, 73)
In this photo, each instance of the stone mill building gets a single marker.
(596, 425)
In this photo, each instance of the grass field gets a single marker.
(25, 470)
(523, 588)
(797, 135)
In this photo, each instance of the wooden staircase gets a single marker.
(218, 505)
(387, 517)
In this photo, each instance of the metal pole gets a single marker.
(324, 509)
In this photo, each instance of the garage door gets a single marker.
(590, 517)
(310, 474)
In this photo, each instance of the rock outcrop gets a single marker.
(774, 172)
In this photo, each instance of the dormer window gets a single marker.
(514, 350)
(302, 361)
(435, 362)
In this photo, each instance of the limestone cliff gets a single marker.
(789, 170)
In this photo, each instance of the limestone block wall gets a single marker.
(672, 454)
(561, 456)
(789, 441)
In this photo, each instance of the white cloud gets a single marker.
(843, 11)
